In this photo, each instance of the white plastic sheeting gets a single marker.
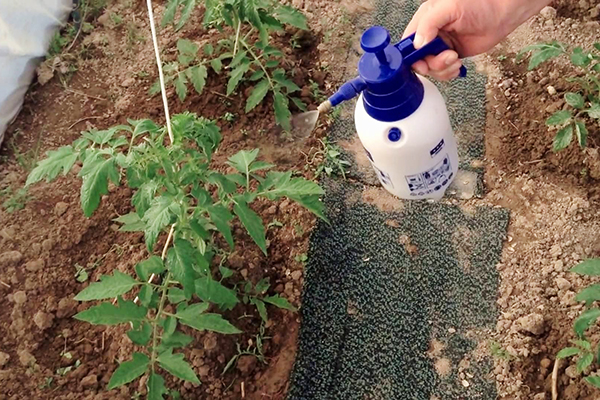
(26, 29)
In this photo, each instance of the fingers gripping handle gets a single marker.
(433, 48)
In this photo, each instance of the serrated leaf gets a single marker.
(170, 11)
(193, 311)
(542, 53)
(272, 64)
(142, 199)
(279, 302)
(175, 364)
(180, 260)
(129, 370)
(220, 216)
(211, 291)
(282, 112)
(579, 57)
(156, 387)
(558, 118)
(593, 380)
(95, 173)
(146, 295)
(253, 224)
(584, 344)
(188, 7)
(181, 86)
(108, 287)
(589, 294)
(152, 265)
(261, 308)
(187, 47)
(594, 111)
(211, 322)
(141, 336)
(175, 340)
(198, 78)
(581, 132)
(589, 267)
(239, 57)
(300, 104)
(175, 295)
(286, 83)
(585, 320)
(225, 272)
(568, 352)
(57, 161)
(236, 76)
(109, 314)
(574, 100)
(584, 362)
(208, 49)
(131, 223)
(262, 286)
(257, 75)
(155, 88)
(291, 16)
(242, 160)
(216, 65)
(160, 214)
(258, 94)
(563, 138)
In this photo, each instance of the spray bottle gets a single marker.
(401, 117)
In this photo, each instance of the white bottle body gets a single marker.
(424, 161)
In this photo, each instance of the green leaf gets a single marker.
(131, 223)
(558, 118)
(243, 159)
(95, 173)
(574, 100)
(175, 340)
(216, 65)
(282, 112)
(142, 199)
(175, 295)
(212, 291)
(108, 287)
(129, 370)
(160, 214)
(299, 103)
(581, 132)
(108, 314)
(141, 336)
(258, 74)
(542, 53)
(211, 322)
(587, 318)
(589, 294)
(253, 224)
(589, 267)
(593, 380)
(584, 344)
(291, 16)
(221, 216)
(193, 311)
(156, 387)
(281, 79)
(188, 7)
(563, 138)
(170, 12)
(584, 362)
(187, 47)
(227, 185)
(181, 86)
(225, 272)
(579, 58)
(262, 286)
(261, 308)
(257, 95)
(153, 265)
(594, 111)
(208, 49)
(279, 302)
(180, 260)
(199, 74)
(236, 76)
(174, 364)
(272, 64)
(146, 295)
(568, 352)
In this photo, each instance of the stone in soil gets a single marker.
(26, 358)
(20, 297)
(533, 323)
(43, 320)
(89, 381)
(3, 359)
(10, 258)
(61, 208)
(246, 364)
(35, 265)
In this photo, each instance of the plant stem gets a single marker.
(237, 37)
(259, 63)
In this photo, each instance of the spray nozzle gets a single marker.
(385, 70)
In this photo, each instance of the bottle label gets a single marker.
(431, 180)
(437, 148)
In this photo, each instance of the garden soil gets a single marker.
(553, 206)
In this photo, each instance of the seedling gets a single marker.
(301, 258)
(583, 349)
(116, 19)
(329, 160)
(498, 352)
(15, 199)
(81, 275)
(177, 192)
(229, 117)
(583, 105)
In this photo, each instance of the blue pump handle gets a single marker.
(433, 48)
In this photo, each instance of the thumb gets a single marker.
(432, 17)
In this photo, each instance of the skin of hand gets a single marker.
(470, 27)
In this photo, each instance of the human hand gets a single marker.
(469, 27)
